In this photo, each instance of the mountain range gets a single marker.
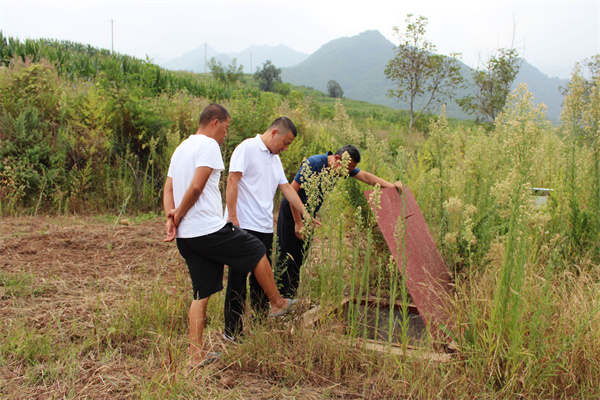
(254, 56)
(357, 63)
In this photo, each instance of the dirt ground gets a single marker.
(71, 256)
(60, 268)
(67, 265)
(80, 248)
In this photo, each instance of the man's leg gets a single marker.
(236, 248)
(197, 317)
(235, 302)
(292, 264)
(264, 276)
(207, 279)
(291, 252)
(258, 298)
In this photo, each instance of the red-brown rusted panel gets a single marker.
(427, 278)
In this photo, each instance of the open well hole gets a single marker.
(371, 320)
(375, 336)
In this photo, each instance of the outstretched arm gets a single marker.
(373, 180)
(231, 195)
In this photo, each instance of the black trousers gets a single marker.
(235, 294)
(290, 254)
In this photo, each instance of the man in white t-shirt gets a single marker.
(255, 173)
(194, 209)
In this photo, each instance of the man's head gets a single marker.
(352, 152)
(214, 122)
(280, 135)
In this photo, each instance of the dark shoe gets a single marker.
(287, 309)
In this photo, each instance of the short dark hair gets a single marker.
(213, 111)
(284, 125)
(352, 152)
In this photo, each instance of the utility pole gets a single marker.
(112, 37)
(204, 57)
(250, 63)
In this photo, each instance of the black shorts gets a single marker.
(206, 256)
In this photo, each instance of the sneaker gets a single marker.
(211, 357)
(230, 339)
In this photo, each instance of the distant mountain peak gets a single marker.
(266, 47)
(371, 32)
(250, 58)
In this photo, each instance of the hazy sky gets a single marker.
(551, 35)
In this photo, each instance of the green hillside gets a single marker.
(367, 115)
(357, 63)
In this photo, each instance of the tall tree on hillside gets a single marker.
(267, 76)
(421, 76)
(334, 89)
(491, 85)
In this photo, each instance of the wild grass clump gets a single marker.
(518, 332)
(325, 356)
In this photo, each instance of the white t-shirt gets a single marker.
(206, 215)
(262, 173)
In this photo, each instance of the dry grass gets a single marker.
(95, 310)
(92, 311)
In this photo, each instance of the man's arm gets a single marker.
(192, 194)
(290, 192)
(373, 180)
(169, 204)
(299, 224)
(231, 195)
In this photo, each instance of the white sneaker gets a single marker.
(230, 339)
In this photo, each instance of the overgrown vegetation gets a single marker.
(82, 131)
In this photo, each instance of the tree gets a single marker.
(334, 89)
(492, 85)
(421, 75)
(227, 75)
(267, 76)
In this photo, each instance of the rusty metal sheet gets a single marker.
(407, 235)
